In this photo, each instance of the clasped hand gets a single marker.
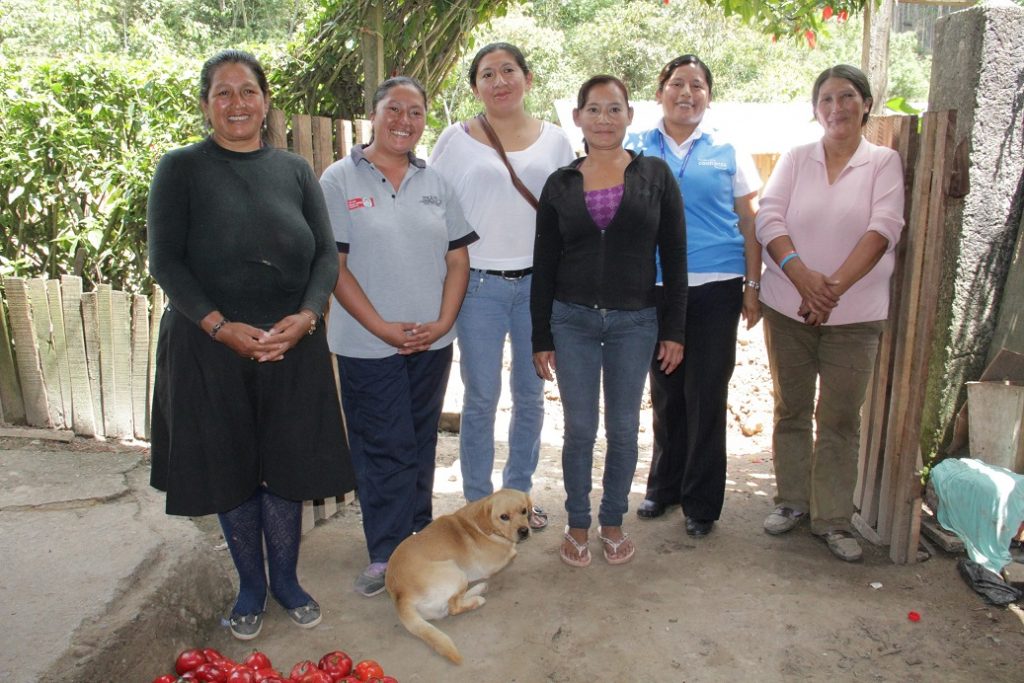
(818, 296)
(265, 345)
(410, 338)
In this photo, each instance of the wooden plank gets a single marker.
(49, 358)
(865, 529)
(30, 374)
(91, 335)
(364, 131)
(323, 145)
(308, 516)
(765, 163)
(82, 416)
(899, 133)
(906, 523)
(64, 435)
(121, 336)
(343, 136)
(56, 308)
(104, 305)
(140, 364)
(909, 309)
(156, 315)
(302, 136)
(946, 540)
(12, 407)
(277, 129)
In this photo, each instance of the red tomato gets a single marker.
(301, 669)
(348, 679)
(367, 669)
(337, 664)
(189, 660)
(388, 679)
(267, 674)
(257, 660)
(210, 673)
(241, 674)
(317, 676)
(166, 678)
(212, 655)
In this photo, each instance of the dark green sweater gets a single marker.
(243, 233)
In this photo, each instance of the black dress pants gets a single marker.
(689, 460)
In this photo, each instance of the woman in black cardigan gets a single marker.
(600, 223)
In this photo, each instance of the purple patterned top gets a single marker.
(602, 204)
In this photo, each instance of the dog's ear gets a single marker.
(485, 518)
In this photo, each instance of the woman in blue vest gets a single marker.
(719, 186)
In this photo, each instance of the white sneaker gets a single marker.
(782, 519)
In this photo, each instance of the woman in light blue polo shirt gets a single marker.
(403, 269)
(719, 186)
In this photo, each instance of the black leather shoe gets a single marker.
(699, 527)
(650, 509)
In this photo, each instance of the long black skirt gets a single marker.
(223, 425)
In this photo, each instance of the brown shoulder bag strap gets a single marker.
(496, 144)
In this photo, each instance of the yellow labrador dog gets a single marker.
(429, 573)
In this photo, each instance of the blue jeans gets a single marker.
(591, 346)
(495, 307)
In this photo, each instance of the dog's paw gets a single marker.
(478, 589)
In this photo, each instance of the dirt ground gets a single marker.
(739, 605)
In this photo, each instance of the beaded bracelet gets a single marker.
(312, 321)
(752, 284)
(216, 328)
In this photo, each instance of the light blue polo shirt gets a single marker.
(709, 187)
(396, 241)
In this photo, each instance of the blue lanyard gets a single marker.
(686, 159)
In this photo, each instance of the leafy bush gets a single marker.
(79, 141)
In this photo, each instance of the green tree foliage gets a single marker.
(633, 40)
(79, 141)
(323, 72)
(143, 28)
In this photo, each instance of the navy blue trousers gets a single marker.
(392, 408)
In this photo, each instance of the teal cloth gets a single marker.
(983, 505)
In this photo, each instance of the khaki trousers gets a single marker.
(818, 475)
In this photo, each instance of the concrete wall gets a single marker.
(978, 70)
(1010, 328)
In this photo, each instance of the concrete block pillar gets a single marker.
(977, 70)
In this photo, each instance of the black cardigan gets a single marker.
(576, 262)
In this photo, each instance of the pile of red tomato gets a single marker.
(209, 666)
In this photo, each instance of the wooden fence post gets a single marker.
(82, 415)
(12, 407)
(140, 365)
(323, 147)
(277, 129)
(49, 359)
(37, 409)
(302, 136)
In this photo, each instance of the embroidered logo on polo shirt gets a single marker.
(720, 165)
(431, 200)
(361, 203)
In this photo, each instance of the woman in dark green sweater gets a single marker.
(246, 422)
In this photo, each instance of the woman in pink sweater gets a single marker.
(830, 218)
